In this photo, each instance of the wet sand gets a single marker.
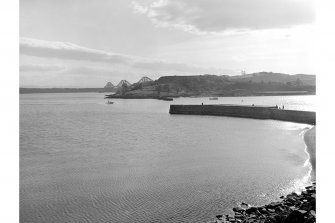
(310, 142)
(292, 208)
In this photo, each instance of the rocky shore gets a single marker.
(293, 208)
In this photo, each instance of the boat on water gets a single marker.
(166, 99)
(213, 98)
(109, 102)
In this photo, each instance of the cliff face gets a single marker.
(213, 85)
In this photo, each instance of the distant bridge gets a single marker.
(109, 85)
(144, 80)
(121, 83)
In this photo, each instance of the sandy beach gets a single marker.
(310, 142)
(291, 208)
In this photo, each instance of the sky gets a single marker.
(87, 43)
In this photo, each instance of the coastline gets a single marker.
(310, 142)
(292, 208)
(156, 95)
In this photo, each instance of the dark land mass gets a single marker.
(256, 84)
(63, 90)
(207, 85)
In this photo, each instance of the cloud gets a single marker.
(140, 9)
(96, 71)
(166, 66)
(65, 50)
(203, 16)
(70, 51)
(41, 68)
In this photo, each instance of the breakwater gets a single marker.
(256, 112)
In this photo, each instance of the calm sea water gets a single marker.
(82, 160)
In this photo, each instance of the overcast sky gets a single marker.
(85, 43)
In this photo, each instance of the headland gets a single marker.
(208, 85)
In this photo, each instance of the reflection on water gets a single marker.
(82, 160)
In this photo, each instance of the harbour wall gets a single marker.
(256, 112)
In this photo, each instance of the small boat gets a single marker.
(213, 98)
(166, 99)
(109, 102)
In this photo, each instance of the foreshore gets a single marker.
(310, 141)
(292, 208)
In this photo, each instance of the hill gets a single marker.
(263, 83)
(275, 77)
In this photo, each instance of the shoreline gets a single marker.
(309, 138)
(155, 96)
(292, 207)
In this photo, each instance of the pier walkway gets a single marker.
(256, 112)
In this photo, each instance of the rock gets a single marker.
(257, 212)
(311, 191)
(293, 208)
(311, 205)
(312, 213)
(302, 211)
(273, 204)
(252, 216)
(219, 216)
(291, 200)
(238, 209)
(270, 219)
(271, 210)
(238, 215)
(231, 219)
(294, 194)
(244, 205)
(295, 217)
(263, 210)
(251, 210)
(279, 209)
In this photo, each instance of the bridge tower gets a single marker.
(122, 82)
(144, 80)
